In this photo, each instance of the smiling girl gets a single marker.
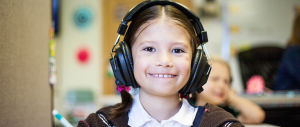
(163, 43)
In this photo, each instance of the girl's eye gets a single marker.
(149, 49)
(214, 78)
(177, 51)
(227, 82)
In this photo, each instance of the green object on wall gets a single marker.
(80, 96)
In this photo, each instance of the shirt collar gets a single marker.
(138, 116)
(186, 114)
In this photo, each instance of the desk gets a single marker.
(275, 100)
(281, 108)
(260, 125)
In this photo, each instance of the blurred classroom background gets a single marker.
(55, 55)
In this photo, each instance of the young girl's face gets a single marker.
(162, 56)
(218, 85)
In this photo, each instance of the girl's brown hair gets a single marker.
(218, 59)
(146, 16)
(295, 38)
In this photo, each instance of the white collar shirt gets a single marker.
(138, 117)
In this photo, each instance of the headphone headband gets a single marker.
(132, 14)
(146, 4)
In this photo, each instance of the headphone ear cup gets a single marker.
(116, 67)
(122, 67)
(198, 75)
(201, 75)
(129, 64)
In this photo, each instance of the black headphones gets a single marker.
(122, 63)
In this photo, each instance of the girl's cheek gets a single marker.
(186, 67)
(209, 87)
(206, 88)
(184, 61)
(227, 91)
(141, 60)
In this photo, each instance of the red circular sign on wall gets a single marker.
(83, 55)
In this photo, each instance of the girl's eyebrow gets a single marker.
(146, 42)
(179, 43)
(173, 43)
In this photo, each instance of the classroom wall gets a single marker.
(25, 99)
(257, 21)
(247, 23)
(80, 32)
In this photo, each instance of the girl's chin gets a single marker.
(162, 91)
(217, 101)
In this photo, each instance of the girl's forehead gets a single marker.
(160, 26)
(159, 21)
(220, 68)
(217, 64)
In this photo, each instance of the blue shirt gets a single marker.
(288, 75)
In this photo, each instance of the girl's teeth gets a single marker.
(161, 75)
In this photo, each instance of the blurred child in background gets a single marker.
(217, 91)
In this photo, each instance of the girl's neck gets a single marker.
(160, 107)
(201, 102)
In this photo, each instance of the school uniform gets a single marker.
(202, 116)
(138, 117)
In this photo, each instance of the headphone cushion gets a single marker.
(129, 62)
(196, 61)
(121, 63)
(127, 53)
(201, 74)
(197, 66)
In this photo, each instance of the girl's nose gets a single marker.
(164, 60)
(221, 84)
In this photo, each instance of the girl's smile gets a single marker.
(219, 94)
(163, 75)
